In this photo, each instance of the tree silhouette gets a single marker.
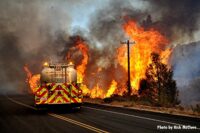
(159, 85)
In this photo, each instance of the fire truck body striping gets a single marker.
(59, 92)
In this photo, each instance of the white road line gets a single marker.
(141, 117)
(94, 129)
(17, 102)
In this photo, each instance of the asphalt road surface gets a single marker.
(17, 114)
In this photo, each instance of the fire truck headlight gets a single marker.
(71, 63)
(46, 64)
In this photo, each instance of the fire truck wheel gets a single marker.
(38, 107)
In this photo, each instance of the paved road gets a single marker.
(17, 114)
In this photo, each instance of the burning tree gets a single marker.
(159, 86)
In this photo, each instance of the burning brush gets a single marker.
(147, 41)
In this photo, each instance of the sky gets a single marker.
(81, 11)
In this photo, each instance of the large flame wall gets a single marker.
(146, 42)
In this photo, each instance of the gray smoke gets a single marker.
(185, 61)
(178, 20)
(31, 32)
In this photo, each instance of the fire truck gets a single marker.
(58, 86)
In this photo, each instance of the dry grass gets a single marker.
(178, 110)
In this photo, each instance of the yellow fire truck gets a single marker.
(58, 86)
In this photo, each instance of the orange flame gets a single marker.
(97, 92)
(165, 55)
(112, 88)
(33, 80)
(81, 68)
(146, 42)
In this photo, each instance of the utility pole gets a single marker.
(128, 60)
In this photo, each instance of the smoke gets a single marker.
(31, 32)
(106, 23)
(189, 94)
(178, 20)
(185, 61)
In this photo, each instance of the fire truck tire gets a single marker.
(38, 107)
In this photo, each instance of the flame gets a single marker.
(28, 72)
(85, 89)
(32, 80)
(82, 67)
(146, 42)
(165, 56)
(121, 91)
(97, 92)
(112, 88)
